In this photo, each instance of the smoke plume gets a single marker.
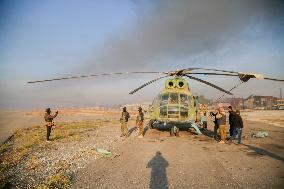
(179, 29)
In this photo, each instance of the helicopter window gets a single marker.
(183, 112)
(173, 109)
(173, 98)
(180, 84)
(163, 111)
(156, 100)
(184, 99)
(165, 98)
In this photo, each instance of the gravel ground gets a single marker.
(190, 161)
(158, 160)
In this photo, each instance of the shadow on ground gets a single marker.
(262, 151)
(159, 179)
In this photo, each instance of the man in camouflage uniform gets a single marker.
(49, 122)
(123, 120)
(139, 122)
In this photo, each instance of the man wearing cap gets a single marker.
(49, 122)
(140, 121)
(123, 120)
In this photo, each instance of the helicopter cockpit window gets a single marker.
(156, 100)
(165, 98)
(173, 98)
(184, 100)
(163, 111)
(183, 112)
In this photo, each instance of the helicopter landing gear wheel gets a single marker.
(174, 131)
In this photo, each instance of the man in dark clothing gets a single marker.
(49, 122)
(238, 127)
(232, 115)
(216, 126)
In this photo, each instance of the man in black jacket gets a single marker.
(232, 115)
(238, 127)
(216, 126)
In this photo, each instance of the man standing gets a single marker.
(216, 126)
(123, 120)
(238, 127)
(203, 114)
(49, 122)
(232, 115)
(221, 116)
(139, 122)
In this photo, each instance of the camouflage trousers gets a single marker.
(48, 129)
(124, 129)
(140, 127)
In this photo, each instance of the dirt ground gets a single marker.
(188, 161)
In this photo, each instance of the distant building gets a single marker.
(134, 106)
(236, 103)
(279, 104)
(260, 102)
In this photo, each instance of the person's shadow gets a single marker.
(158, 174)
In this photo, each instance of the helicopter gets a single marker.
(175, 107)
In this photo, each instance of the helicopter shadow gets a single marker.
(158, 165)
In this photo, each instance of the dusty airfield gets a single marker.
(156, 161)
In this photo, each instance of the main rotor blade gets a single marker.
(93, 75)
(209, 69)
(208, 83)
(208, 73)
(149, 82)
(274, 79)
(243, 76)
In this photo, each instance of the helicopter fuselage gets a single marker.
(174, 106)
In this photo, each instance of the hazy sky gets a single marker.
(42, 39)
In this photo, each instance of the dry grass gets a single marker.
(25, 141)
(58, 181)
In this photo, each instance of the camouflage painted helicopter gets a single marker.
(175, 108)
